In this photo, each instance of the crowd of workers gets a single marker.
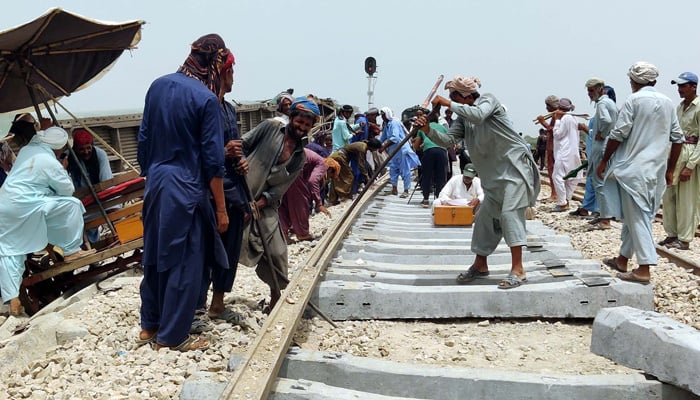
(215, 198)
(638, 157)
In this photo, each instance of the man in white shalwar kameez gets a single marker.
(37, 208)
(462, 190)
(508, 172)
(566, 155)
(637, 164)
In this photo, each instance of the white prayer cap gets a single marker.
(643, 72)
(54, 136)
(388, 113)
(595, 82)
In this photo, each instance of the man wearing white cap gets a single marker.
(37, 208)
(637, 164)
(681, 199)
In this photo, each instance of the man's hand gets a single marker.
(324, 210)
(600, 170)
(221, 221)
(474, 203)
(242, 166)
(261, 202)
(582, 127)
(599, 137)
(233, 149)
(669, 177)
(422, 123)
(685, 174)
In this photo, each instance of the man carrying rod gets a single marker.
(508, 174)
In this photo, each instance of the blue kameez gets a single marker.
(181, 149)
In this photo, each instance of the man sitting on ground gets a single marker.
(462, 190)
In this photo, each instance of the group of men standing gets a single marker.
(198, 202)
(639, 156)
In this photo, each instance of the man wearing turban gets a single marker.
(276, 157)
(38, 208)
(637, 165)
(95, 162)
(237, 208)
(181, 153)
(566, 154)
(508, 172)
(405, 159)
(551, 103)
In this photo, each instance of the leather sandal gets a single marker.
(190, 343)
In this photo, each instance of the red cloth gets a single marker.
(122, 188)
(81, 137)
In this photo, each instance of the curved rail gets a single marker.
(256, 373)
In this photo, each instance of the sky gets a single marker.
(522, 51)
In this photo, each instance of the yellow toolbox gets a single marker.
(453, 215)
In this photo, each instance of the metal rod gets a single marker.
(274, 270)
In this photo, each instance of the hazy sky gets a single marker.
(521, 50)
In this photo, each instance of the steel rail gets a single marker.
(255, 375)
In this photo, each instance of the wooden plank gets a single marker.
(92, 208)
(114, 215)
(118, 178)
(81, 262)
(257, 371)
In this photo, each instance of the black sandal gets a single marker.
(471, 274)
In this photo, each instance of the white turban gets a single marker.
(388, 113)
(54, 137)
(464, 86)
(643, 72)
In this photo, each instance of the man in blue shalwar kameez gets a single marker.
(237, 207)
(405, 159)
(181, 152)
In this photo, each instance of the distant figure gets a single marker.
(341, 186)
(297, 201)
(37, 208)
(405, 159)
(284, 102)
(322, 144)
(342, 130)
(509, 174)
(638, 163)
(566, 154)
(434, 162)
(551, 103)
(541, 148)
(276, 157)
(682, 199)
(462, 189)
(181, 152)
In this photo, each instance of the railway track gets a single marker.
(384, 260)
